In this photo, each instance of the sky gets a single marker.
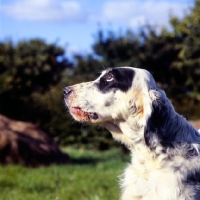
(73, 24)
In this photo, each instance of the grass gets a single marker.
(91, 176)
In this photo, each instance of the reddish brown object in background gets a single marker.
(25, 143)
(196, 124)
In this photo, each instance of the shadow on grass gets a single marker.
(84, 161)
(93, 158)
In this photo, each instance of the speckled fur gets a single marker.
(165, 162)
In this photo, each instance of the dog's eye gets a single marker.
(109, 77)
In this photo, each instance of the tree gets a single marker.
(30, 66)
(117, 50)
(188, 60)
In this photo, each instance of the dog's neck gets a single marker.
(126, 132)
(164, 128)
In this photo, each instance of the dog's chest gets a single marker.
(147, 178)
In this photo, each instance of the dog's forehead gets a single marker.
(113, 69)
(109, 70)
(106, 71)
(124, 73)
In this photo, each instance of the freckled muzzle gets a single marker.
(82, 115)
(76, 111)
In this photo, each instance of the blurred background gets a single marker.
(46, 45)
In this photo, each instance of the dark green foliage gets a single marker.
(118, 51)
(29, 67)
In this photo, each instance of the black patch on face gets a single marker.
(117, 78)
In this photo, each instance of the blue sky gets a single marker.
(73, 23)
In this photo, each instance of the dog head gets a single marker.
(123, 94)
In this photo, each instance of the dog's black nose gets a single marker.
(67, 91)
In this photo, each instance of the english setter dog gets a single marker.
(165, 148)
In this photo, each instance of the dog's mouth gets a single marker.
(81, 115)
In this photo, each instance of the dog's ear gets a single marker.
(156, 98)
(155, 119)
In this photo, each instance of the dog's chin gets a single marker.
(82, 116)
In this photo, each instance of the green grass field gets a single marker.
(91, 176)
